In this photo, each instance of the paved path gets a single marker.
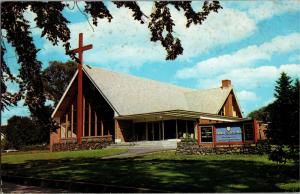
(132, 152)
(15, 188)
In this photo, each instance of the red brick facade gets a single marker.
(123, 130)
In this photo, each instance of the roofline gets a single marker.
(224, 101)
(99, 90)
(64, 95)
(181, 113)
(216, 119)
(237, 101)
(69, 86)
(147, 79)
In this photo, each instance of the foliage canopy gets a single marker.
(283, 118)
(54, 27)
(56, 78)
(23, 131)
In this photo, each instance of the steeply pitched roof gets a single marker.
(130, 95)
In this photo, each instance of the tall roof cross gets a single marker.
(80, 50)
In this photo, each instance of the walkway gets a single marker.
(143, 147)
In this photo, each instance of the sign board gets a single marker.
(206, 134)
(228, 134)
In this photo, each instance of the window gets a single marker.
(234, 112)
(206, 134)
(249, 132)
(222, 111)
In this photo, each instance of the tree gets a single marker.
(294, 122)
(54, 27)
(262, 114)
(284, 116)
(22, 131)
(56, 78)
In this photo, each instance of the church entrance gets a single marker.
(163, 130)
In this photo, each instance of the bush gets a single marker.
(23, 131)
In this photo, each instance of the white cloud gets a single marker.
(242, 58)
(251, 78)
(126, 43)
(262, 10)
(291, 69)
(225, 27)
(267, 9)
(246, 95)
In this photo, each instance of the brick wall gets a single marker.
(123, 130)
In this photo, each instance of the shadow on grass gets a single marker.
(169, 175)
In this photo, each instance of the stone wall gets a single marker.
(191, 147)
(34, 147)
(88, 143)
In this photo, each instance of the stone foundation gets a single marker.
(88, 143)
(191, 147)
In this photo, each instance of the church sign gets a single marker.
(229, 134)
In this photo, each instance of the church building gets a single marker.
(124, 108)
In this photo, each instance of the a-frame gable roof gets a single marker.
(129, 95)
(133, 95)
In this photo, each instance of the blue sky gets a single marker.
(248, 42)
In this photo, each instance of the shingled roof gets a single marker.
(130, 95)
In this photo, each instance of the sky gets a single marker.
(248, 42)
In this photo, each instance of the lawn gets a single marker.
(167, 171)
(22, 157)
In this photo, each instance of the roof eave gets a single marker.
(179, 114)
(64, 95)
(224, 100)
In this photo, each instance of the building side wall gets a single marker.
(228, 106)
(123, 130)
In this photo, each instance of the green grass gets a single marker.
(17, 158)
(167, 171)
